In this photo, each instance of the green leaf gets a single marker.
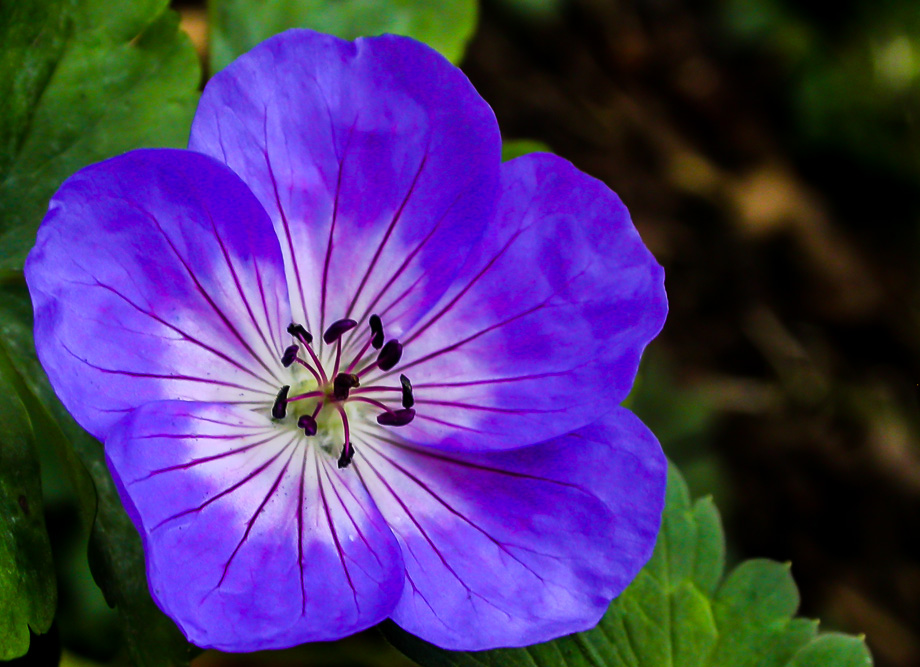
(81, 81)
(238, 25)
(115, 549)
(27, 584)
(513, 148)
(680, 612)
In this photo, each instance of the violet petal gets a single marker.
(253, 540)
(156, 275)
(521, 546)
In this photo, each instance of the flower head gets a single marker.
(348, 366)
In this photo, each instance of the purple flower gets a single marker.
(348, 366)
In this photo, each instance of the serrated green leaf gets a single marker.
(680, 612)
(27, 584)
(834, 649)
(238, 25)
(115, 549)
(81, 81)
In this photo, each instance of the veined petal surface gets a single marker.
(520, 546)
(376, 160)
(156, 276)
(542, 331)
(253, 538)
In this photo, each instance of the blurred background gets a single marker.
(769, 151)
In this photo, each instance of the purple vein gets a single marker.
(501, 545)
(358, 503)
(444, 458)
(443, 422)
(335, 217)
(186, 336)
(402, 267)
(238, 284)
(489, 381)
(466, 340)
(255, 473)
(203, 292)
(465, 289)
(389, 232)
(255, 516)
(284, 221)
(335, 536)
(428, 539)
(353, 523)
(484, 408)
(303, 471)
(206, 459)
(158, 376)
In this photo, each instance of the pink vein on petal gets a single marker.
(335, 215)
(255, 516)
(284, 220)
(335, 536)
(392, 226)
(255, 473)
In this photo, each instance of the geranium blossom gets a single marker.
(348, 366)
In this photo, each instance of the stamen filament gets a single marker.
(319, 366)
(347, 450)
(338, 356)
(309, 394)
(354, 362)
(311, 369)
(366, 389)
(372, 402)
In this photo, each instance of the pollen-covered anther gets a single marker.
(343, 383)
(408, 400)
(290, 354)
(376, 331)
(279, 407)
(396, 417)
(336, 329)
(308, 424)
(390, 355)
(299, 332)
(348, 453)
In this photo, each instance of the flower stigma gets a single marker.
(322, 404)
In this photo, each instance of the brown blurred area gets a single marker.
(792, 280)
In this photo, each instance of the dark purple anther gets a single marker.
(308, 424)
(348, 453)
(390, 355)
(377, 331)
(343, 383)
(298, 331)
(396, 418)
(279, 409)
(408, 400)
(336, 329)
(289, 355)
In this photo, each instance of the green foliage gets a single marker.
(27, 584)
(81, 81)
(517, 147)
(852, 80)
(115, 550)
(238, 25)
(681, 611)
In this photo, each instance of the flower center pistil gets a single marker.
(332, 391)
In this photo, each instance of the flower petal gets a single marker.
(376, 159)
(516, 547)
(252, 540)
(156, 276)
(543, 331)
